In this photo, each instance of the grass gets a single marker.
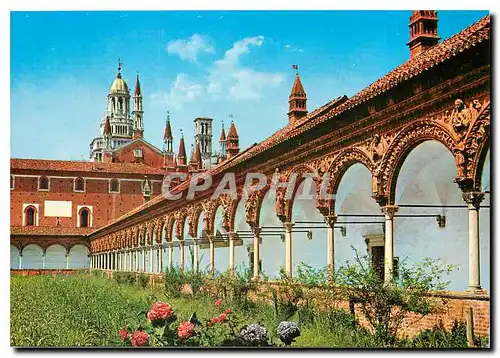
(88, 311)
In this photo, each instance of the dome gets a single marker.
(119, 85)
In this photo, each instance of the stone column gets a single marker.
(43, 260)
(67, 260)
(151, 248)
(232, 238)
(181, 248)
(330, 244)
(136, 254)
(143, 265)
(473, 200)
(195, 254)
(160, 258)
(20, 261)
(256, 252)
(211, 252)
(389, 211)
(170, 256)
(288, 248)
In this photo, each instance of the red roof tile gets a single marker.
(82, 166)
(297, 89)
(50, 231)
(107, 126)
(168, 131)
(182, 149)
(232, 133)
(222, 135)
(137, 86)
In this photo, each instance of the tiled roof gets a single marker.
(463, 40)
(82, 166)
(232, 133)
(50, 230)
(168, 131)
(107, 126)
(182, 149)
(297, 88)
(137, 86)
(222, 135)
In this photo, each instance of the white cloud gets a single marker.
(182, 91)
(227, 78)
(188, 49)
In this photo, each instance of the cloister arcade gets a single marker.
(54, 256)
(405, 194)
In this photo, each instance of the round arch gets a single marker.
(55, 257)
(32, 256)
(403, 144)
(78, 257)
(14, 257)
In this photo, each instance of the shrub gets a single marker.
(128, 278)
(385, 305)
(143, 280)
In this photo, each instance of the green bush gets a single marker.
(128, 278)
(143, 280)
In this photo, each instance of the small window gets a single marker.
(79, 184)
(138, 153)
(29, 216)
(114, 186)
(12, 182)
(84, 217)
(43, 183)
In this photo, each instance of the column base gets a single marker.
(475, 289)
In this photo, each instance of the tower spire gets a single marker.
(232, 141)
(423, 31)
(297, 101)
(138, 113)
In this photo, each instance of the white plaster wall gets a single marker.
(32, 257)
(221, 254)
(78, 257)
(272, 249)
(14, 257)
(55, 257)
(241, 259)
(426, 177)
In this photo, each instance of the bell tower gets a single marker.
(203, 136)
(297, 101)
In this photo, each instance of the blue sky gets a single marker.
(192, 63)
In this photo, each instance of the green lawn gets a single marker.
(84, 310)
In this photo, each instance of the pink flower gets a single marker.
(185, 330)
(160, 311)
(124, 335)
(140, 339)
(222, 317)
(213, 321)
(218, 302)
(227, 311)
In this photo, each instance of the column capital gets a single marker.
(288, 226)
(330, 220)
(256, 231)
(390, 210)
(473, 199)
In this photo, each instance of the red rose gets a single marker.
(222, 317)
(227, 311)
(185, 330)
(218, 302)
(124, 335)
(140, 339)
(160, 311)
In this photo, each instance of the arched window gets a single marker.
(11, 182)
(120, 103)
(29, 216)
(114, 186)
(43, 183)
(84, 217)
(79, 184)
